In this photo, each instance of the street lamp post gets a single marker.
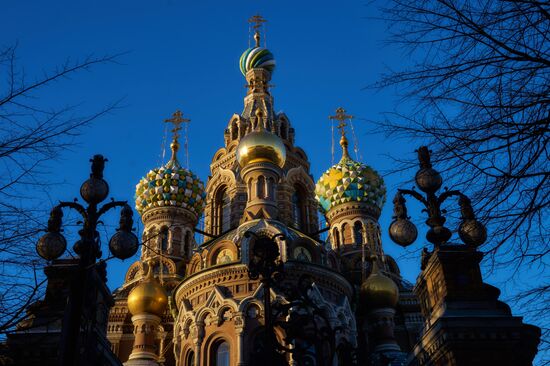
(308, 334)
(266, 265)
(428, 180)
(52, 245)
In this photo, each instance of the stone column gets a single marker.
(381, 330)
(239, 330)
(197, 333)
(170, 238)
(144, 351)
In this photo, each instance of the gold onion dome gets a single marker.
(261, 146)
(378, 291)
(349, 181)
(171, 185)
(148, 297)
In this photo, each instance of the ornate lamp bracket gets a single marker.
(403, 231)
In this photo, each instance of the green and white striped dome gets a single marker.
(257, 58)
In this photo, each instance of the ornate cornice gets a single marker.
(324, 277)
(169, 214)
(353, 208)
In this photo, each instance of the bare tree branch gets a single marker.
(31, 135)
(480, 86)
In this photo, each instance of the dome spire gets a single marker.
(257, 21)
(177, 119)
(257, 57)
(171, 184)
(341, 117)
(350, 180)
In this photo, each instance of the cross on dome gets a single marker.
(257, 21)
(177, 119)
(342, 117)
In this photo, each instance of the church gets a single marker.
(329, 294)
(188, 304)
(210, 311)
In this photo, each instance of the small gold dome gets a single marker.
(261, 146)
(379, 291)
(148, 297)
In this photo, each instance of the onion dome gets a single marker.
(349, 181)
(148, 297)
(378, 291)
(171, 185)
(257, 58)
(261, 146)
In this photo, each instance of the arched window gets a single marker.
(336, 238)
(190, 360)
(222, 212)
(164, 238)
(226, 212)
(221, 354)
(358, 232)
(260, 187)
(250, 194)
(298, 208)
(177, 240)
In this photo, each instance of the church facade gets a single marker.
(260, 183)
(188, 304)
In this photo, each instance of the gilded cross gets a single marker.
(257, 21)
(177, 119)
(341, 117)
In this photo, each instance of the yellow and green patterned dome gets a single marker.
(171, 185)
(350, 181)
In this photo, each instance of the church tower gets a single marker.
(170, 200)
(260, 189)
(282, 190)
(351, 195)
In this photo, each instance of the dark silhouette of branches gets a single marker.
(479, 81)
(31, 134)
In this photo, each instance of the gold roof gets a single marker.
(378, 291)
(261, 146)
(148, 297)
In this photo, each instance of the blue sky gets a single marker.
(184, 55)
